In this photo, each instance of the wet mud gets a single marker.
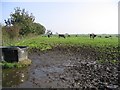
(69, 69)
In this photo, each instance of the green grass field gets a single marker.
(44, 43)
(106, 48)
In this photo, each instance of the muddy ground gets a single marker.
(69, 69)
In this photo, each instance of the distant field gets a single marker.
(103, 48)
(44, 43)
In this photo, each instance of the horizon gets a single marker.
(70, 17)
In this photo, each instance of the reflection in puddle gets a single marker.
(39, 73)
(13, 77)
(42, 72)
(53, 69)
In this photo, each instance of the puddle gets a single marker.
(13, 77)
(42, 72)
(39, 73)
(53, 69)
(57, 70)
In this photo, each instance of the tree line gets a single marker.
(21, 23)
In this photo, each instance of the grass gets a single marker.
(107, 48)
(24, 63)
(108, 61)
(44, 43)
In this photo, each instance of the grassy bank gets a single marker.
(24, 63)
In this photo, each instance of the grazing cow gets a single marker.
(110, 36)
(106, 36)
(68, 35)
(61, 35)
(92, 35)
(99, 36)
(76, 35)
(49, 35)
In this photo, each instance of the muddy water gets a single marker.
(62, 69)
(44, 71)
(14, 77)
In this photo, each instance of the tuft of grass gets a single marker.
(24, 63)
(107, 61)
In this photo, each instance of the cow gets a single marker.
(92, 35)
(106, 36)
(49, 35)
(76, 35)
(61, 35)
(99, 36)
(110, 36)
(68, 35)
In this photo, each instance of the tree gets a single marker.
(38, 28)
(25, 21)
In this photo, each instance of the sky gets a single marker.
(70, 16)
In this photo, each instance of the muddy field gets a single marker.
(61, 68)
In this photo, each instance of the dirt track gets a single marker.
(68, 69)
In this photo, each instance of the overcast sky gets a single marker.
(70, 16)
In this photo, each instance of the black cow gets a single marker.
(68, 35)
(76, 35)
(106, 36)
(92, 35)
(61, 35)
(99, 36)
(49, 35)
